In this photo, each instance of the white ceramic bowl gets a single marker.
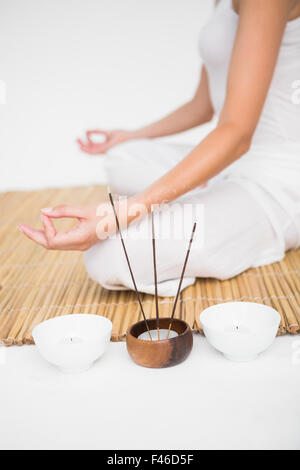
(73, 342)
(240, 330)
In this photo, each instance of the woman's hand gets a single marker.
(111, 138)
(94, 223)
(80, 237)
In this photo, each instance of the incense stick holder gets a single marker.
(163, 353)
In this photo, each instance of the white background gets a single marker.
(70, 65)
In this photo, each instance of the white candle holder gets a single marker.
(240, 330)
(73, 342)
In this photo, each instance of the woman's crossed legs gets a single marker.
(233, 231)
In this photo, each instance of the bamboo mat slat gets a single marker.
(36, 284)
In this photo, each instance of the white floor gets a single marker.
(204, 403)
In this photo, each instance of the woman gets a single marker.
(249, 164)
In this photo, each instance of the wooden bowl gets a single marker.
(163, 353)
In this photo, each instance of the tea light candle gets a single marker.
(71, 340)
(154, 335)
(237, 329)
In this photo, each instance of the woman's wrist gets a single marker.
(136, 209)
(143, 203)
(125, 135)
(139, 134)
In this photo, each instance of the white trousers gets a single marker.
(233, 235)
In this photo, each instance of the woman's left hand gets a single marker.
(94, 223)
(111, 138)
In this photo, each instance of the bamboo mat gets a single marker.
(36, 284)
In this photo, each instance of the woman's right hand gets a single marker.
(111, 138)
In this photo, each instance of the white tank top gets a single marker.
(280, 119)
(273, 161)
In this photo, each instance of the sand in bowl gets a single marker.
(154, 335)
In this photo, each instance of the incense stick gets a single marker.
(129, 265)
(181, 278)
(155, 275)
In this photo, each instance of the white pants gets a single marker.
(235, 232)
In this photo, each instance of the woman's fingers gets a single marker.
(94, 149)
(50, 231)
(75, 212)
(74, 239)
(85, 148)
(90, 142)
(37, 236)
(96, 131)
(70, 240)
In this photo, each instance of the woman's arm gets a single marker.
(193, 113)
(260, 29)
